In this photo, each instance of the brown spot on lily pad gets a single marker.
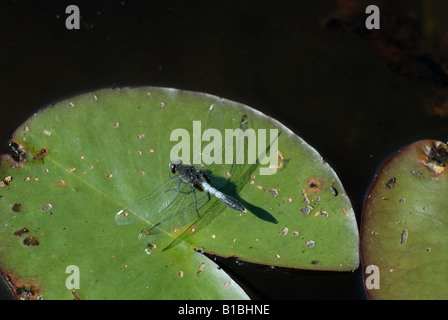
(17, 207)
(75, 295)
(30, 241)
(437, 157)
(21, 232)
(22, 290)
(5, 181)
(314, 184)
(40, 156)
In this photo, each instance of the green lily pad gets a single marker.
(85, 158)
(404, 225)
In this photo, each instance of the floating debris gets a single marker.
(306, 210)
(310, 243)
(391, 183)
(404, 236)
(274, 192)
(307, 201)
(47, 207)
(200, 269)
(324, 214)
(334, 191)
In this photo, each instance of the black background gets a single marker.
(297, 63)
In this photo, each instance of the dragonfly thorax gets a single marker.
(189, 174)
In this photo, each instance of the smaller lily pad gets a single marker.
(404, 232)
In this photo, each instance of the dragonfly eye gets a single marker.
(174, 165)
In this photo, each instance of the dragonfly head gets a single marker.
(174, 165)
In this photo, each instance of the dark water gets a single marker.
(327, 84)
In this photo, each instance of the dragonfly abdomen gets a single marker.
(226, 199)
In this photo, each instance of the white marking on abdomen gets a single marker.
(213, 191)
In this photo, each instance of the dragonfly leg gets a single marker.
(176, 189)
(191, 190)
(178, 186)
(172, 176)
(195, 199)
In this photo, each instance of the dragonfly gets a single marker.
(198, 180)
(193, 196)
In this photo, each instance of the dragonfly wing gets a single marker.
(152, 207)
(220, 173)
(215, 121)
(237, 173)
(180, 214)
(240, 173)
(209, 212)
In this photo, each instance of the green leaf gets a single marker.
(85, 158)
(404, 225)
